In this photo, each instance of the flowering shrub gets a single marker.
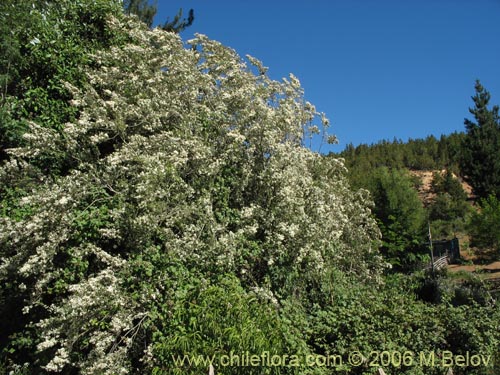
(45, 44)
(190, 154)
(190, 219)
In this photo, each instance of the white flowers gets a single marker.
(185, 149)
(34, 41)
(60, 360)
(63, 201)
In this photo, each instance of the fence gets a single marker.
(441, 262)
(444, 252)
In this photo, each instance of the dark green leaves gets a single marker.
(481, 156)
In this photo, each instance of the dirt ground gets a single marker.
(489, 269)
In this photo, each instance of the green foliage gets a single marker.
(179, 160)
(447, 229)
(390, 318)
(13, 16)
(481, 156)
(160, 201)
(178, 24)
(447, 183)
(146, 13)
(212, 319)
(400, 215)
(46, 45)
(484, 225)
(11, 206)
(449, 209)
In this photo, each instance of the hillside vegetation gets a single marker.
(158, 203)
(452, 200)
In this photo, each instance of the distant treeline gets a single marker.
(474, 154)
(416, 154)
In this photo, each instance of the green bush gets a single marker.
(484, 225)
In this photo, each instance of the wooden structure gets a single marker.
(449, 248)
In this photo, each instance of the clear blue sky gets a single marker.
(379, 69)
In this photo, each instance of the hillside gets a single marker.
(475, 261)
(425, 190)
(449, 200)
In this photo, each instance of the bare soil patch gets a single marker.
(488, 271)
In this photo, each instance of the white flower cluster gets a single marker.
(186, 146)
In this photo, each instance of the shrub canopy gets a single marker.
(178, 158)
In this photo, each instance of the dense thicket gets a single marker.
(46, 44)
(189, 219)
(400, 215)
(182, 159)
(484, 226)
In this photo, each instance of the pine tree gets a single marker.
(177, 25)
(142, 9)
(146, 13)
(481, 147)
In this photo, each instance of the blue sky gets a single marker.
(379, 69)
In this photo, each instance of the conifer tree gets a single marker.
(142, 9)
(146, 13)
(481, 148)
(178, 24)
